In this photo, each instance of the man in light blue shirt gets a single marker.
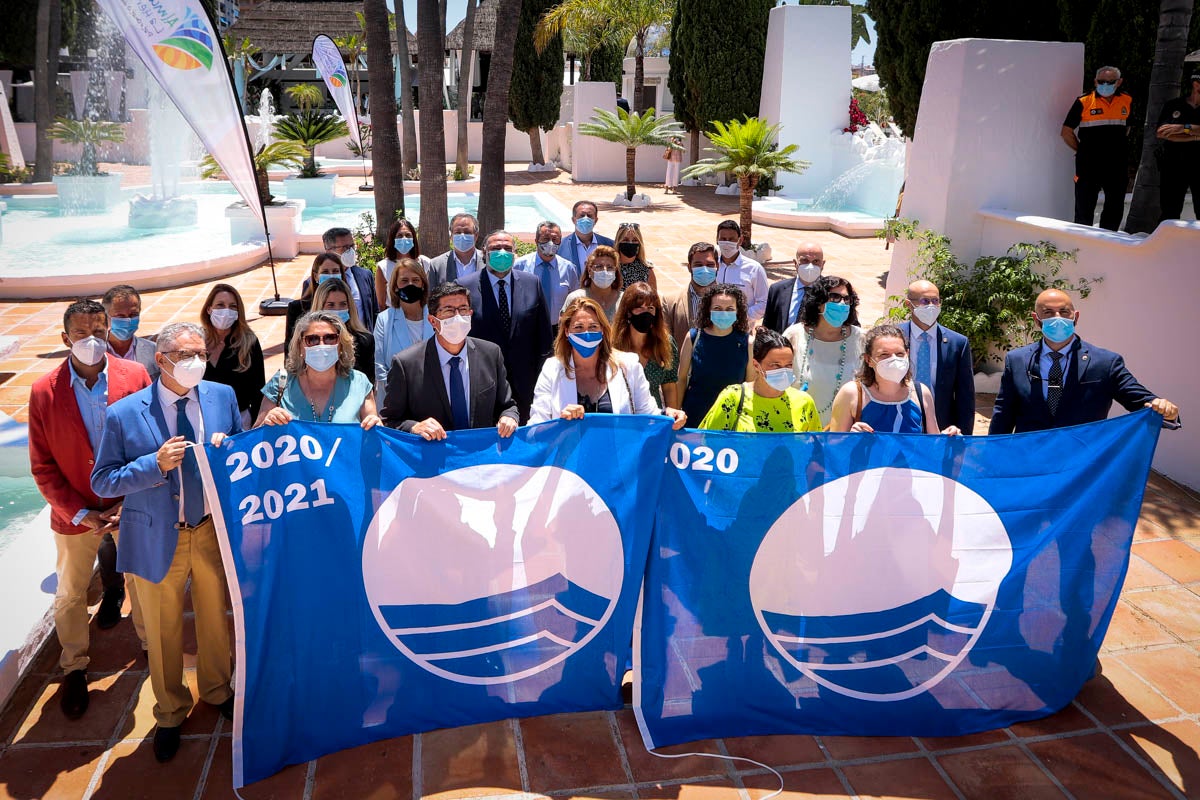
(558, 276)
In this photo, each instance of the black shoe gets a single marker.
(226, 709)
(75, 694)
(166, 743)
(110, 609)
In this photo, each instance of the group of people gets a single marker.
(477, 338)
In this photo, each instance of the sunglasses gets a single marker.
(633, 225)
(314, 339)
(1106, 83)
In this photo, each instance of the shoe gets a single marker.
(226, 709)
(166, 743)
(75, 694)
(110, 609)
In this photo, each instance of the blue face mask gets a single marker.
(463, 242)
(1058, 329)
(124, 329)
(342, 314)
(404, 245)
(324, 277)
(703, 276)
(1106, 89)
(501, 260)
(585, 343)
(836, 314)
(585, 225)
(723, 319)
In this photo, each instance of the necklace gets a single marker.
(805, 374)
(328, 406)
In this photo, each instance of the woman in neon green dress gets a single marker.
(769, 404)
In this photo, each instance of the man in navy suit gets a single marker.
(583, 240)
(340, 242)
(785, 298)
(941, 358)
(511, 312)
(148, 454)
(1061, 380)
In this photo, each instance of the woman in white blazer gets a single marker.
(586, 375)
(404, 322)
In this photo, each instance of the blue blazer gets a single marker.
(1095, 379)
(954, 386)
(572, 251)
(126, 464)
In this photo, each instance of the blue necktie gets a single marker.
(549, 273)
(925, 360)
(189, 470)
(797, 301)
(458, 396)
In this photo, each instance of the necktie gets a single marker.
(505, 316)
(458, 395)
(925, 360)
(548, 274)
(1054, 390)
(189, 470)
(797, 301)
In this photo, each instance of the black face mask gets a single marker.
(642, 323)
(411, 293)
(629, 249)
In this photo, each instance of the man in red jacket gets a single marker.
(67, 409)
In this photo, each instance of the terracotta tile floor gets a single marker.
(1133, 732)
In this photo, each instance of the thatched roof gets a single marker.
(280, 26)
(485, 28)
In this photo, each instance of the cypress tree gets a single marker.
(607, 63)
(686, 33)
(726, 59)
(537, 79)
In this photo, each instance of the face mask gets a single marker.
(455, 329)
(548, 249)
(188, 374)
(349, 258)
(463, 242)
(703, 276)
(411, 293)
(124, 329)
(89, 351)
(585, 343)
(223, 318)
(604, 278)
(629, 249)
(1058, 329)
(1106, 89)
(723, 319)
(642, 323)
(500, 260)
(893, 369)
(342, 313)
(321, 357)
(836, 314)
(927, 315)
(324, 276)
(807, 273)
(728, 249)
(779, 379)
(585, 225)
(403, 245)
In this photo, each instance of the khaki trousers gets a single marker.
(76, 563)
(197, 554)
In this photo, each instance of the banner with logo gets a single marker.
(177, 41)
(384, 585)
(330, 66)
(880, 585)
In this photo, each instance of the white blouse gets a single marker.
(556, 390)
(822, 367)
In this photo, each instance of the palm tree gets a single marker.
(431, 44)
(583, 34)
(305, 95)
(632, 130)
(749, 150)
(45, 78)
(385, 137)
(89, 133)
(461, 167)
(495, 118)
(241, 55)
(355, 46)
(409, 132)
(276, 154)
(1174, 19)
(310, 129)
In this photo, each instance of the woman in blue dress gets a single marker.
(715, 353)
(884, 397)
(405, 320)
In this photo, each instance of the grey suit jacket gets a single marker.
(444, 268)
(143, 353)
(416, 390)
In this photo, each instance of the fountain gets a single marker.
(169, 137)
(266, 119)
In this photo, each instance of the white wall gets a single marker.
(595, 160)
(806, 87)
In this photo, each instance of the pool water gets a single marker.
(20, 502)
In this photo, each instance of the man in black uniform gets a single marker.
(1179, 167)
(1100, 149)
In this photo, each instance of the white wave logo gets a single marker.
(490, 574)
(877, 585)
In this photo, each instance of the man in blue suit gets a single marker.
(583, 240)
(148, 454)
(941, 358)
(511, 312)
(1061, 380)
(340, 242)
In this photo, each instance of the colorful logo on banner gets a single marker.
(190, 46)
(327, 58)
(338, 79)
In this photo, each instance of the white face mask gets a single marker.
(89, 351)
(807, 273)
(223, 318)
(349, 258)
(604, 278)
(927, 315)
(728, 249)
(779, 379)
(893, 369)
(188, 374)
(455, 329)
(321, 357)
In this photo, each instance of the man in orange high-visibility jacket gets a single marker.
(1100, 149)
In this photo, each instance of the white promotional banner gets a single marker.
(328, 60)
(176, 41)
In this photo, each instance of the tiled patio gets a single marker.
(1134, 732)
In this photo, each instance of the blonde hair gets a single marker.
(338, 285)
(413, 266)
(241, 337)
(294, 363)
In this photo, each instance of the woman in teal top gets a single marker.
(769, 404)
(319, 382)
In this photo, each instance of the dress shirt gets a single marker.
(917, 347)
(496, 280)
(559, 277)
(167, 400)
(796, 304)
(693, 300)
(356, 295)
(444, 357)
(583, 249)
(93, 406)
(749, 275)
(1045, 362)
(465, 268)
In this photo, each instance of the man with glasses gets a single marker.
(558, 276)
(940, 358)
(1061, 380)
(148, 454)
(1100, 149)
(785, 298)
(451, 381)
(340, 242)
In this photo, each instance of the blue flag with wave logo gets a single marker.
(881, 584)
(384, 585)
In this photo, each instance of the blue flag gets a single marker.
(384, 585)
(873, 585)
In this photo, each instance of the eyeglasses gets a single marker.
(447, 313)
(341, 248)
(184, 355)
(1106, 83)
(314, 339)
(633, 225)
